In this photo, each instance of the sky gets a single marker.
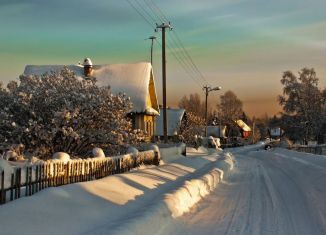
(240, 45)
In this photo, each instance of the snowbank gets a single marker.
(63, 157)
(172, 154)
(133, 151)
(225, 163)
(161, 215)
(180, 201)
(98, 153)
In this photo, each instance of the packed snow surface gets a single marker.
(267, 192)
(277, 191)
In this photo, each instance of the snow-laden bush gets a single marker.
(155, 148)
(61, 113)
(63, 157)
(98, 153)
(132, 151)
(191, 127)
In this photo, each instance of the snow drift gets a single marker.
(161, 215)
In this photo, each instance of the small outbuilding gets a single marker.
(174, 119)
(217, 131)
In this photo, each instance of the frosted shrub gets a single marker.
(60, 113)
(63, 157)
(132, 151)
(98, 153)
(191, 127)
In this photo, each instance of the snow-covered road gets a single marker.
(268, 192)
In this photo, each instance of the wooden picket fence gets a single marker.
(32, 179)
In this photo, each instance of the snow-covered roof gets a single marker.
(42, 69)
(135, 80)
(243, 125)
(174, 117)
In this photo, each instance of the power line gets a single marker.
(150, 6)
(181, 55)
(141, 14)
(183, 64)
(191, 60)
(145, 11)
(158, 11)
(184, 58)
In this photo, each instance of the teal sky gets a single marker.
(241, 45)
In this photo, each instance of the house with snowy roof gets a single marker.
(217, 131)
(174, 119)
(245, 130)
(135, 80)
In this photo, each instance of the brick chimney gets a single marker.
(88, 67)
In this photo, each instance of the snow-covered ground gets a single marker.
(144, 201)
(269, 192)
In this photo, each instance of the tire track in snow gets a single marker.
(264, 196)
(300, 213)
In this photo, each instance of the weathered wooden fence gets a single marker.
(31, 179)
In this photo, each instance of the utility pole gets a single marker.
(163, 27)
(208, 89)
(152, 38)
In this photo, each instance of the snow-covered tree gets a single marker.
(302, 102)
(192, 126)
(230, 107)
(193, 104)
(62, 112)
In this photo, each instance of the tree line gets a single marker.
(303, 116)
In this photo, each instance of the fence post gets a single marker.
(39, 177)
(2, 188)
(26, 181)
(42, 176)
(36, 178)
(12, 186)
(156, 158)
(18, 183)
(67, 172)
(30, 177)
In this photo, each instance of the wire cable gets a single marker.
(141, 14)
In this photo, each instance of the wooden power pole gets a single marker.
(152, 38)
(163, 27)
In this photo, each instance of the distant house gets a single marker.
(217, 131)
(245, 130)
(135, 80)
(275, 132)
(174, 119)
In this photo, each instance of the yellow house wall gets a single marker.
(146, 123)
